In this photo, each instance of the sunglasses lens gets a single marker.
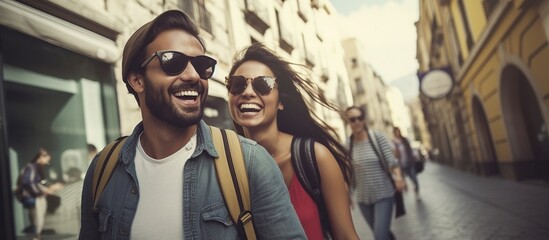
(236, 84)
(173, 63)
(263, 85)
(204, 66)
(355, 119)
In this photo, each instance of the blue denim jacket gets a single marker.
(205, 215)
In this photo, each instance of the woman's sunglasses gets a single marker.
(262, 85)
(174, 63)
(354, 119)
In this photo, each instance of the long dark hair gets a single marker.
(296, 118)
(41, 168)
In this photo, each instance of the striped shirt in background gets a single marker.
(371, 181)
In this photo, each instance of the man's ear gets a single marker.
(280, 106)
(137, 82)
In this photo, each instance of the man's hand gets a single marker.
(53, 188)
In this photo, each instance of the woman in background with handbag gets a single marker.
(406, 158)
(32, 190)
(377, 174)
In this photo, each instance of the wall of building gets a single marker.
(368, 89)
(400, 113)
(502, 87)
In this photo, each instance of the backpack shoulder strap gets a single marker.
(305, 166)
(108, 159)
(233, 179)
(306, 169)
(375, 144)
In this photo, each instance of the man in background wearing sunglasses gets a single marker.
(165, 185)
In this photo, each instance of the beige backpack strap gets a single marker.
(233, 180)
(108, 159)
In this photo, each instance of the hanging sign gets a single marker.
(436, 83)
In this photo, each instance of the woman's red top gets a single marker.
(306, 210)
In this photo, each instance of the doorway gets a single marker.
(488, 162)
(527, 129)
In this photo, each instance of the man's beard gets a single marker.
(163, 109)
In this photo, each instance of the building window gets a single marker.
(197, 11)
(466, 24)
(354, 63)
(285, 35)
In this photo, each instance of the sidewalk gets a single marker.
(460, 205)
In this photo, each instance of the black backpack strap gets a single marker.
(304, 163)
(306, 169)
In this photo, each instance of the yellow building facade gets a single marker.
(498, 54)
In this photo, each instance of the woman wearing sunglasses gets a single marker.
(373, 159)
(267, 105)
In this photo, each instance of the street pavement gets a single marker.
(460, 205)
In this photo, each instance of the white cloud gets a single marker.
(388, 34)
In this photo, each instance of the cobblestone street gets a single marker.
(460, 205)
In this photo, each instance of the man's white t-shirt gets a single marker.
(159, 212)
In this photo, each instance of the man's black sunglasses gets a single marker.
(262, 85)
(174, 63)
(354, 119)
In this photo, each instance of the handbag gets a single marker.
(26, 200)
(420, 165)
(400, 210)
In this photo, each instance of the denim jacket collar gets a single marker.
(203, 140)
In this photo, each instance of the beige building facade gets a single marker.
(368, 89)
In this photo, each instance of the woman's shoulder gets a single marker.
(378, 134)
(321, 149)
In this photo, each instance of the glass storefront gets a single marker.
(61, 101)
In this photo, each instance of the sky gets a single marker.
(386, 30)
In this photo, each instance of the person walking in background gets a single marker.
(165, 185)
(372, 162)
(32, 189)
(406, 158)
(267, 105)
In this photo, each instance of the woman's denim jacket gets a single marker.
(205, 215)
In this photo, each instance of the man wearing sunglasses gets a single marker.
(165, 185)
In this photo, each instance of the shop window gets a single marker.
(61, 101)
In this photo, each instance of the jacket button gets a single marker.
(134, 190)
(123, 231)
